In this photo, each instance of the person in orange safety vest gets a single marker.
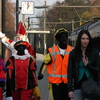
(56, 61)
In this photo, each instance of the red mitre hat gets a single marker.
(21, 29)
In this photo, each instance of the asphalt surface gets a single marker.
(43, 84)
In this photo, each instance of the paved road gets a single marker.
(43, 84)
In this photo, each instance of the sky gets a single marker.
(39, 3)
(36, 3)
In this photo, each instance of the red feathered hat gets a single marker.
(28, 46)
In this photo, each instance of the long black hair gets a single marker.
(78, 50)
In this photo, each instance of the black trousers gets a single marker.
(60, 91)
(8, 88)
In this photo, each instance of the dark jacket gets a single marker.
(93, 67)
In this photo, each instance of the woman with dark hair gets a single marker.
(84, 63)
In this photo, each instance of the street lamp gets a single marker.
(3, 28)
(17, 12)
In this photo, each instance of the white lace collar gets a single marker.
(23, 57)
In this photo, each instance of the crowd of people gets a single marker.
(19, 68)
(67, 67)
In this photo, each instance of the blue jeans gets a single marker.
(78, 95)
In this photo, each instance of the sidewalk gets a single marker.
(43, 83)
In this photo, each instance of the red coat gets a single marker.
(21, 73)
(2, 69)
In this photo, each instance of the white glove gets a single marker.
(2, 35)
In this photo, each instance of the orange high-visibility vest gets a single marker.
(58, 68)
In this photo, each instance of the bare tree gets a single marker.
(69, 17)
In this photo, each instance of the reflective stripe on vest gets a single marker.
(57, 69)
(51, 75)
